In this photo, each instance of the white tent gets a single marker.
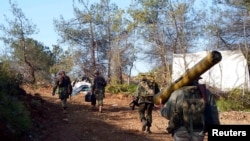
(231, 72)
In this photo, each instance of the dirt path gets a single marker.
(116, 123)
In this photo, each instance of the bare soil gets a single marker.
(117, 122)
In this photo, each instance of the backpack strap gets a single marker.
(202, 88)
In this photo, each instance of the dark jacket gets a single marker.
(99, 83)
(63, 84)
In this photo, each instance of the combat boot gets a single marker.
(144, 124)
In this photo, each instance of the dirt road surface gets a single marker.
(117, 122)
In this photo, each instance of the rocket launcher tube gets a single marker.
(198, 69)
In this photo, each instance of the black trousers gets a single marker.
(93, 100)
(145, 112)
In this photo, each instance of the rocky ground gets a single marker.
(117, 122)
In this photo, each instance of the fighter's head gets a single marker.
(195, 82)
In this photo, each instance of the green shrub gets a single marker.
(235, 100)
(132, 88)
(15, 114)
(228, 105)
(121, 88)
(13, 111)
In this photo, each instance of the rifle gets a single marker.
(133, 103)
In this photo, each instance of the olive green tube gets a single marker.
(198, 69)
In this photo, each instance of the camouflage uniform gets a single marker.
(63, 84)
(180, 131)
(144, 95)
(98, 90)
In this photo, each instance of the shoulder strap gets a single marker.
(202, 88)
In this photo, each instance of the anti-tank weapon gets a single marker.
(190, 75)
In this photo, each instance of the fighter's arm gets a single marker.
(213, 110)
(157, 89)
(93, 86)
(55, 87)
(170, 105)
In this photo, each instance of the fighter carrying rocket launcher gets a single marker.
(201, 67)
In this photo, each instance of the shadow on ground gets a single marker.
(81, 123)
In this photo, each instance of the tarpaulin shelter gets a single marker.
(231, 72)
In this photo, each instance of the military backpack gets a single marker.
(188, 110)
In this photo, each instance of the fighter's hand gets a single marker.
(160, 100)
(159, 105)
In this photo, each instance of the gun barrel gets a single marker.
(132, 105)
(201, 67)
